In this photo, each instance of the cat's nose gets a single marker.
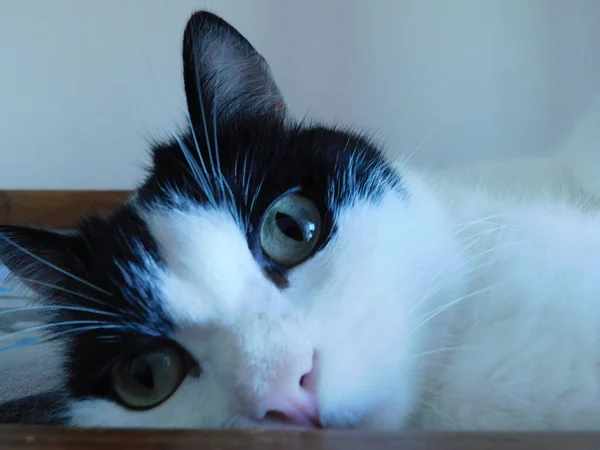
(292, 398)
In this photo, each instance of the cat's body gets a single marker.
(524, 352)
(289, 271)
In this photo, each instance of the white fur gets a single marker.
(461, 306)
(522, 354)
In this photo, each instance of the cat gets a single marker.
(270, 273)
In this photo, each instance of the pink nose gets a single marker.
(292, 399)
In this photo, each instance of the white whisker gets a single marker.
(439, 287)
(443, 350)
(62, 334)
(256, 193)
(205, 176)
(437, 311)
(205, 125)
(200, 178)
(245, 179)
(80, 330)
(53, 266)
(487, 219)
(224, 183)
(68, 291)
(52, 325)
(408, 158)
(58, 308)
(450, 264)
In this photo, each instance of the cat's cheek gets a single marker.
(99, 412)
(388, 416)
(193, 405)
(389, 411)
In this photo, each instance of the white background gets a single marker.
(85, 83)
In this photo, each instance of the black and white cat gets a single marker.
(270, 273)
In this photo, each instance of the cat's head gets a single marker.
(265, 272)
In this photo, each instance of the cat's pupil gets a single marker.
(141, 372)
(289, 226)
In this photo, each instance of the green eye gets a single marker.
(143, 381)
(290, 229)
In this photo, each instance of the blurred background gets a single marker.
(85, 83)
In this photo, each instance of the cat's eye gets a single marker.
(290, 229)
(144, 380)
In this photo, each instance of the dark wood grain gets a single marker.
(56, 208)
(38, 438)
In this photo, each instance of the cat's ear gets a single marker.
(224, 75)
(38, 258)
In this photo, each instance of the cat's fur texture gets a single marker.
(428, 302)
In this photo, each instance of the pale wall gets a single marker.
(83, 84)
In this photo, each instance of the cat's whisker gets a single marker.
(431, 293)
(134, 306)
(346, 145)
(57, 308)
(437, 311)
(53, 266)
(468, 225)
(245, 178)
(68, 291)
(61, 334)
(437, 288)
(444, 350)
(463, 273)
(16, 297)
(476, 238)
(256, 193)
(20, 345)
(224, 182)
(483, 232)
(200, 177)
(418, 147)
(488, 219)
(236, 168)
(205, 126)
(205, 175)
(80, 330)
(450, 265)
(48, 326)
(248, 172)
(188, 157)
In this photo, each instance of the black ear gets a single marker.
(39, 258)
(224, 75)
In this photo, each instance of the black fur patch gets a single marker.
(50, 408)
(106, 310)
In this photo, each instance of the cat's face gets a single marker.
(265, 273)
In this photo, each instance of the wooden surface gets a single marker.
(38, 438)
(56, 208)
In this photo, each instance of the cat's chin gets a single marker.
(385, 416)
(276, 425)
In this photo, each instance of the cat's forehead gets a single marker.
(192, 233)
(246, 165)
